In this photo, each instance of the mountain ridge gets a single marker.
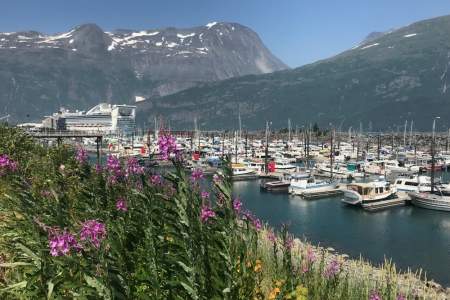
(398, 76)
(86, 65)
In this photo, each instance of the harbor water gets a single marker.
(412, 237)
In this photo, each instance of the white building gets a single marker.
(104, 117)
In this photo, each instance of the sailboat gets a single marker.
(431, 200)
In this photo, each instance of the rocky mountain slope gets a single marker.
(389, 78)
(39, 73)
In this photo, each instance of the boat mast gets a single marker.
(266, 154)
(404, 133)
(432, 154)
(331, 153)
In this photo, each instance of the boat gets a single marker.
(368, 194)
(430, 201)
(276, 186)
(241, 172)
(413, 183)
(302, 186)
(284, 165)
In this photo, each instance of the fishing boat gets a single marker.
(430, 201)
(413, 183)
(370, 194)
(302, 186)
(284, 165)
(241, 172)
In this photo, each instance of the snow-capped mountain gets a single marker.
(39, 72)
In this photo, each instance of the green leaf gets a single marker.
(19, 285)
(15, 264)
(50, 286)
(98, 286)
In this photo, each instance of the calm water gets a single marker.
(412, 237)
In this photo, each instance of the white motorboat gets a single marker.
(302, 186)
(365, 194)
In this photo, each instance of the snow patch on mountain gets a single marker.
(209, 25)
(370, 46)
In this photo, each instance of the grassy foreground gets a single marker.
(72, 230)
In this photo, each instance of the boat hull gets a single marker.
(429, 202)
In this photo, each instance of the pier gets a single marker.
(64, 134)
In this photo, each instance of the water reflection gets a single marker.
(412, 237)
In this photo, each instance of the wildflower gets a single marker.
(61, 243)
(374, 295)
(258, 266)
(196, 174)
(114, 169)
(7, 164)
(81, 155)
(206, 213)
(289, 243)
(156, 179)
(401, 297)
(332, 269)
(310, 255)
(93, 231)
(133, 167)
(167, 145)
(257, 224)
(216, 178)
(237, 205)
(62, 168)
(274, 293)
(271, 236)
(204, 195)
(121, 204)
(301, 292)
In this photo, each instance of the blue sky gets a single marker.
(297, 31)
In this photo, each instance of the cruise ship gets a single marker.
(104, 117)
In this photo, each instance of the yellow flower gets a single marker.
(274, 293)
(301, 292)
(258, 266)
(279, 283)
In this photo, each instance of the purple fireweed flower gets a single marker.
(61, 243)
(216, 178)
(401, 297)
(156, 179)
(133, 167)
(121, 204)
(94, 232)
(204, 195)
(289, 243)
(257, 224)
(7, 164)
(206, 213)
(310, 255)
(374, 295)
(271, 236)
(167, 145)
(196, 174)
(237, 205)
(114, 169)
(81, 155)
(332, 269)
